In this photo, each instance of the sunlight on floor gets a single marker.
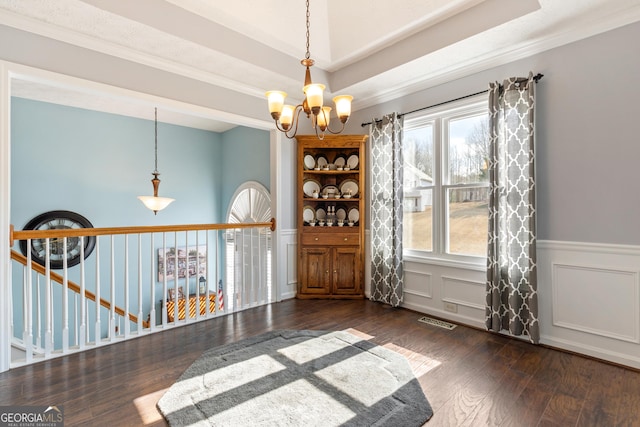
(420, 364)
(146, 406)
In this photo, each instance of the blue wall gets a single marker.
(96, 164)
(246, 154)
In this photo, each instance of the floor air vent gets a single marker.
(436, 322)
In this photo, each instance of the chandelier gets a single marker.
(154, 202)
(287, 116)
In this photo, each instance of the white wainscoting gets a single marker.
(588, 295)
(436, 289)
(589, 299)
(288, 263)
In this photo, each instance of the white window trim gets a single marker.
(439, 117)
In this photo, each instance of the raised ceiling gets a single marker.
(373, 50)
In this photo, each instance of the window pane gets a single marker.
(418, 157)
(468, 150)
(416, 222)
(417, 151)
(468, 221)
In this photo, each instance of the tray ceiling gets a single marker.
(373, 50)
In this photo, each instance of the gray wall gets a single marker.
(587, 143)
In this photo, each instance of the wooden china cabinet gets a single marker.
(330, 216)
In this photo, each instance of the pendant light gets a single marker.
(154, 202)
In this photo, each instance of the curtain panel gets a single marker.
(385, 138)
(512, 294)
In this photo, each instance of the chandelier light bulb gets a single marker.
(286, 118)
(314, 96)
(276, 102)
(323, 118)
(343, 107)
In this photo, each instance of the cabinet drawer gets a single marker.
(330, 239)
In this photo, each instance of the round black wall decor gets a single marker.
(56, 220)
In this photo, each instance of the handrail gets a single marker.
(77, 232)
(73, 286)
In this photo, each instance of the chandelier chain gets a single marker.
(308, 55)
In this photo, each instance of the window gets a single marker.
(446, 182)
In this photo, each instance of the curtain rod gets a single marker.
(536, 78)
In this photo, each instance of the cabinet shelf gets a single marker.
(334, 200)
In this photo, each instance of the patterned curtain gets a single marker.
(512, 289)
(386, 210)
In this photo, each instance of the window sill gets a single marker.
(445, 262)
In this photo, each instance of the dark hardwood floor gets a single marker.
(471, 377)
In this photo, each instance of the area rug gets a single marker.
(297, 378)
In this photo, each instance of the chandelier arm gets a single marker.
(296, 121)
(336, 131)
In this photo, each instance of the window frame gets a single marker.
(439, 118)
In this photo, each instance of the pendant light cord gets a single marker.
(156, 139)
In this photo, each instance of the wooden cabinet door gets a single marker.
(315, 271)
(346, 270)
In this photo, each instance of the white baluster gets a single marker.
(38, 312)
(48, 335)
(164, 280)
(175, 278)
(187, 300)
(98, 325)
(27, 334)
(140, 319)
(112, 312)
(154, 269)
(127, 323)
(65, 299)
(82, 338)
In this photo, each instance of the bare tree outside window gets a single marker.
(459, 194)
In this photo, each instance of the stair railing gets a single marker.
(130, 304)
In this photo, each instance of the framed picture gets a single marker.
(171, 293)
(182, 261)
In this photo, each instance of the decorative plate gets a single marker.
(349, 185)
(341, 213)
(352, 161)
(309, 186)
(309, 162)
(321, 214)
(322, 161)
(340, 161)
(354, 214)
(331, 190)
(308, 214)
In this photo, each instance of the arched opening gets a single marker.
(248, 251)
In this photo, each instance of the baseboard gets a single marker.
(590, 351)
